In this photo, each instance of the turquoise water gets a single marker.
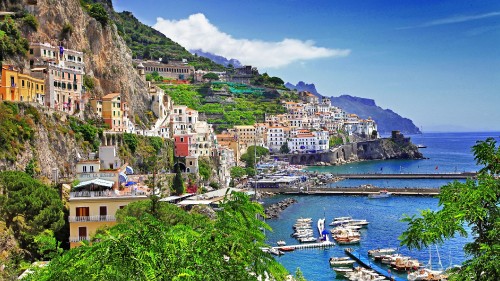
(450, 152)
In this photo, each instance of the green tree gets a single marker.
(12, 43)
(173, 245)
(474, 203)
(30, 168)
(178, 182)
(29, 208)
(252, 151)
(237, 172)
(98, 12)
(204, 169)
(211, 76)
(284, 149)
(131, 141)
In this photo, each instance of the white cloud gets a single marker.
(196, 32)
(454, 19)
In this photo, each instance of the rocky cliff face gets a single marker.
(107, 57)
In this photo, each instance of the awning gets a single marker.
(129, 170)
(122, 177)
(99, 182)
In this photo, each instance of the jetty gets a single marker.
(325, 244)
(464, 175)
(366, 262)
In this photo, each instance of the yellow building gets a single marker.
(20, 87)
(112, 112)
(101, 192)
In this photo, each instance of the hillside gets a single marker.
(148, 43)
(387, 120)
(52, 140)
(227, 104)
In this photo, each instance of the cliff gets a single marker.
(108, 60)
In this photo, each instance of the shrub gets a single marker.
(98, 12)
(31, 21)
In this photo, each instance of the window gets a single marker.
(84, 169)
(41, 87)
(182, 139)
(82, 211)
(103, 213)
(91, 169)
(82, 233)
(31, 51)
(22, 83)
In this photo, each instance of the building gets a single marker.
(172, 70)
(275, 138)
(100, 193)
(112, 112)
(65, 69)
(16, 86)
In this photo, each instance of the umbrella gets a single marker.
(130, 183)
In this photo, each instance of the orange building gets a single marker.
(17, 86)
(112, 112)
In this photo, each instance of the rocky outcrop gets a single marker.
(107, 58)
(275, 209)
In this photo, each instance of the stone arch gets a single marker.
(182, 167)
(311, 160)
(303, 159)
(294, 160)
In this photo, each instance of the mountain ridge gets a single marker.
(387, 120)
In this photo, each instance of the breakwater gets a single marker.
(357, 191)
(464, 175)
(275, 209)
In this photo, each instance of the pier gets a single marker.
(366, 262)
(357, 191)
(325, 244)
(464, 175)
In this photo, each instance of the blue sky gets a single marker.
(435, 62)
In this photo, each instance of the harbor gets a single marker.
(366, 262)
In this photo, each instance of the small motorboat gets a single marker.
(381, 194)
(381, 252)
(281, 243)
(347, 241)
(275, 252)
(286, 249)
(343, 270)
(341, 261)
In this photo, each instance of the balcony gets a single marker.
(79, 238)
(105, 194)
(91, 218)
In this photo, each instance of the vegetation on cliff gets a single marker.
(148, 43)
(166, 243)
(12, 43)
(474, 203)
(227, 111)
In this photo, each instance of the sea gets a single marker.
(444, 153)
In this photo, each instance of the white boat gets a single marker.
(281, 243)
(381, 194)
(307, 239)
(342, 261)
(381, 252)
(275, 252)
(348, 241)
(343, 270)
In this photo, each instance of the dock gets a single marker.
(464, 175)
(366, 262)
(359, 191)
(325, 244)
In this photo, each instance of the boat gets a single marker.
(275, 252)
(287, 249)
(347, 241)
(281, 243)
(405, 264)
(381, 194)
(307, 239)
(421, 146)
(341, 261)
(381, 252)
(342, 271)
